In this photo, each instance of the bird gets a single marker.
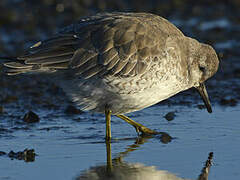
(120, 62)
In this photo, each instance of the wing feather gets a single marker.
(120, 44)
(81, 56)
(61, 51)
(86, 66)
(50, 60)
(92, 71)
(113, 62)
(55, 42)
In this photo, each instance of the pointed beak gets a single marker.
(203, 93)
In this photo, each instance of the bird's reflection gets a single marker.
(117, 169)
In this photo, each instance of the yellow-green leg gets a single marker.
(108, 124)
(139, 127)
(109, 157)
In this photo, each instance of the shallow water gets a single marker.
(67, 146)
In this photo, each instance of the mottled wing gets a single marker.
(121, 47)
(119, 44)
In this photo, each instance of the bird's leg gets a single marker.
(139, 127)
(108, 124)
(109, 157)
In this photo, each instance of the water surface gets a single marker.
(67, 147)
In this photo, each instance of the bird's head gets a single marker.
(203, 64)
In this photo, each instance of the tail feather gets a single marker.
(12, 72)
(44, 56)
(50, 60)
(47, 54)
(19, 66)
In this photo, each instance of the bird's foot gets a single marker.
(139, 127)
(145, 131)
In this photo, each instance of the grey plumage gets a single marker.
(126, 61)
(120, 43)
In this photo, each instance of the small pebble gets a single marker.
(201, 106)
(73, 110)
(165, 138)
(28, 155)
(2, 153)
(31, 117)
(228, 102)
(170, 116)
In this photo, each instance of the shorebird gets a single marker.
(117, 63)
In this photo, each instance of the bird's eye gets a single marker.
(202, 68)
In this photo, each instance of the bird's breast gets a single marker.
(136, 93)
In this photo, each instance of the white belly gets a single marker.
(120, 95)
(145, 98)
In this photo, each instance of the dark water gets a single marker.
(72, 146)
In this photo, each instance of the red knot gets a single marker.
(116, 63)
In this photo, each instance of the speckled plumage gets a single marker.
(123, 61)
